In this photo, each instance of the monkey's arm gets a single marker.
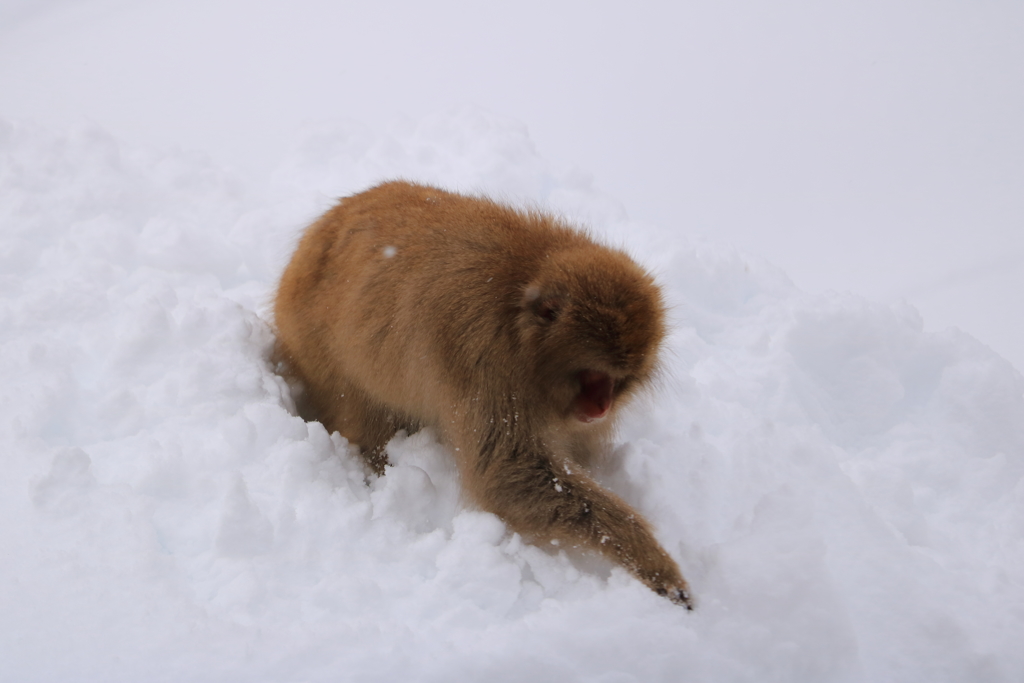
(541, 500)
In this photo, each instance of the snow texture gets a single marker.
(844, 491)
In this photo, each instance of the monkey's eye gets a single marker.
(547, 308)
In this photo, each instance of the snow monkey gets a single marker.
(513, 335)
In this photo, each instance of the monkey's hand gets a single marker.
(663, 577)
(678, 595)
(681, 596)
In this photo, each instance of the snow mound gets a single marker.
(844, 491)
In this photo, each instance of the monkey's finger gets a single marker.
(682, 597)
(679, 596)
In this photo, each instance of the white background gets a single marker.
(875, 147)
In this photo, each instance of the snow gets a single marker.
(843, 489)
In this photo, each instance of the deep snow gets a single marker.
(844, 490)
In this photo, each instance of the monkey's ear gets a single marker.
(547, 306)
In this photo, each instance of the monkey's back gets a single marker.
(402, 285)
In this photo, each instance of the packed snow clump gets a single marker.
(844, 491)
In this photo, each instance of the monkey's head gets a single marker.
(592, 321)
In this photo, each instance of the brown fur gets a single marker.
(510, 333)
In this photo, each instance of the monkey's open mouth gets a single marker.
(595, 399)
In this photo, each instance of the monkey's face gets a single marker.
(593, 323)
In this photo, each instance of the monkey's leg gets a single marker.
(363, 421)
(343, 407)
(540, 500)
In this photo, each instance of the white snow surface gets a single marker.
(844, 491)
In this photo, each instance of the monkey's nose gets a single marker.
(595, 399)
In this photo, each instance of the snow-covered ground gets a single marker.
(844, 490)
